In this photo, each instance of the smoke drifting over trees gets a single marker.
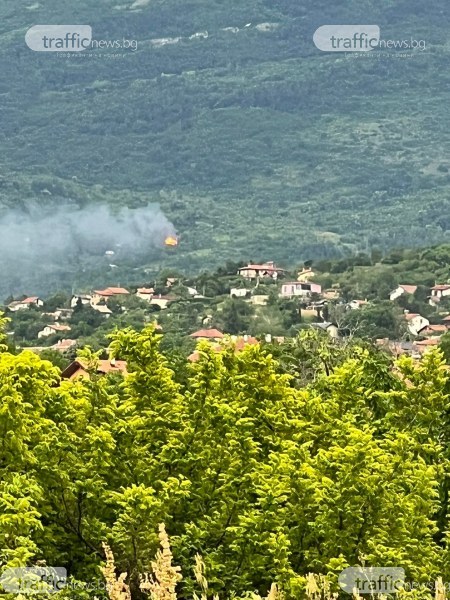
(41, 248)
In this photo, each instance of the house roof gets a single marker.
(409, 289)
(263, 267)
(57, 327)
(410, 316)
(441, 287)
(207, 333)
(447, 318)
(112, 291)
(162, 297)
(63, 345)
(30, 300)
(145, 290)
(102, 309)
(438, 328)
(299, 283)
(325, 325)
(243, 341)
(434, 341)
(104, 367)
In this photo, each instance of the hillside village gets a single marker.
(249, 302)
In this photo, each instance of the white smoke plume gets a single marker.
(40, 247)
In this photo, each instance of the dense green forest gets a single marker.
(330, 455)
(253, 142)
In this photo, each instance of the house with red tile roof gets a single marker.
(438, 292)
(25, 303)
(207, 334)
(53, 329)
(433, 330)
(267, 269)
(145, 293)
(402, 289)
(78, 368)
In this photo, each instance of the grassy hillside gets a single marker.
(255, 143)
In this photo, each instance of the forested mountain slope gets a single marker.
(255, 143)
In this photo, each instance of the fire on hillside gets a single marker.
(171, 241)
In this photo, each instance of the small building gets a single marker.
(25, 303)
(207, 334)
(402, 289)
(109, 292)
(425, 345)
(357, 304)
(161, 301)
(416, 322)
(83, 299)
(64, 345)
(330, 328)
(259, 299)
(433, 330)
(331, 294)
(298, 288)
(440, 291)
(53, 329)
(265, 270)
(78, 368)
(305, 275)
(239, 292)
(103, 309)
(145, 293)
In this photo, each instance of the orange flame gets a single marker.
(171, 241)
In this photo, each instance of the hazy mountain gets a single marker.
(254, 143)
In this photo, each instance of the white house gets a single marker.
(440, 291)
(416, 322)
(239, 292)
(357, 304)
(85, 300)
(52, 330)
(402, 289)
(299, 288)
(329, 328)
(26, 303)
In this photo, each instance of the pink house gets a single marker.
(299, 288)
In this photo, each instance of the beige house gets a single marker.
(52, 330)
(145, 293)
(26, 303)
(259, 299)
(161, 301)
(267, 269)
(103, 309)
(305, 275)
